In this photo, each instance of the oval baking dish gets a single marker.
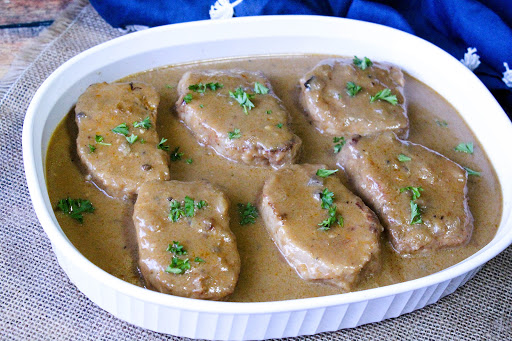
(251, 36)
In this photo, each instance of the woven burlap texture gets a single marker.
(38, 302)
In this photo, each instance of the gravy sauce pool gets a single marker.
(107, 236)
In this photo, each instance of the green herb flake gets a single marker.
(362, 63)
(243, 98)
(199, 260)
(472, 172)
(144, 124)
(403, 158)
(442, 124)
(176, 155)
(327, 198)
(260, 88)
(201, 106)
(142, 141)
(121, 129)
(465, 148)
(189, 206)
(235, 134)
(201, 203)
(75, 208)
(187, 98)
(131, 139)
(415, 191)
(353, 89)
(91, 149)
(178, 266)
(384, 95)
(176, 248)
(340, 142)
(169, 86)
(415, 214)
(99, 140)
(279, 125)
(189, 161)
(332, 219)
(161, 144)
(268, 112)
(176, 211)
(248, 213)
(201, 88)
(323, 173)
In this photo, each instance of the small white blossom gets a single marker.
(471, 59)
(223, 9)
(133, 28)
(507, 76)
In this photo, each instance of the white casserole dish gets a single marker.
(256, 36)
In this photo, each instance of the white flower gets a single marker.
(223, 9)
(471, 59)
(507, 76)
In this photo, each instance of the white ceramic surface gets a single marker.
(256, 36)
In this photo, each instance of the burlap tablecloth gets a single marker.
(38, 302)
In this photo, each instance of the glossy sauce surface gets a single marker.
(107, 236)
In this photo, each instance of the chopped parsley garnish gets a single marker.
(75, 208)
(248, 213)
(199, 260)
(176, 154)
(403, 158)
(268, 112)
(442, 123)
(187, 98)
(201, 203)
(176, 211)
(162, 146)
(185, 209)
(260, 88)
(121, 129)
(415, 191)
(279, 125)
(331, 220)
(176, 248)
(189, 161)
(327, 198)
(131, 139)
(91, 148)
(465, 148)
(142, 141)
(362, 63)
(201, 106)
(169, 86)
(353, 89)
(328, 204)
(145, 124)
(178, 266)
(323, 173)
(201, 88)
(415, 211)
(472, 172)
(99, 140)
(415, 214)
(243, 98)
(384, 95)
(340, 142)
(235, 134)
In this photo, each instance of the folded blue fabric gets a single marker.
(453, 25)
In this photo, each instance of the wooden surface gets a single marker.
(20, 22)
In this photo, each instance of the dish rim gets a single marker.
(46, 216)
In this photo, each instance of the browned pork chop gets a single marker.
(250, 126)
(338, 108)
(120, 161)
(438, 218)
(336, 253)
(185, 245)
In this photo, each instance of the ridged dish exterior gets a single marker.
(219, 326)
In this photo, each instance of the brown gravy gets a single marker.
(106, 237)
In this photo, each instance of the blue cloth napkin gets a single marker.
(453, 25)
